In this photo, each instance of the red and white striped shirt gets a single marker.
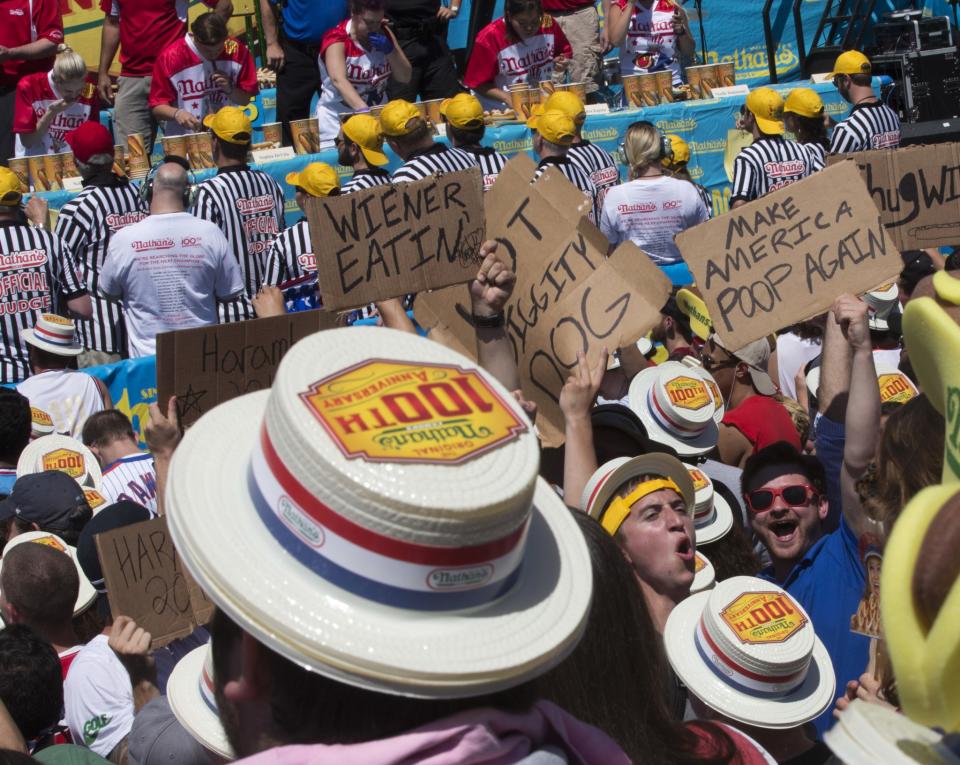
(499, 58)
(35, 93)
(182, 78)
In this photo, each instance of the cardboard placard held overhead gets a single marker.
(146, 581)
(917, 191)
(569, 295)
(785, 257)
(206, 366)
(393, 239)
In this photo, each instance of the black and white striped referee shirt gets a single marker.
(85, 225)
(818, 155)
(768, 164)
(436, 159)
(575, 175)
(599, 166)
(491, 162)
(36, 276)
(872, 125)
(247, 206)
(365, 179)
(290, 256)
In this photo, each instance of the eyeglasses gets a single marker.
(711, 364)
(796, 495)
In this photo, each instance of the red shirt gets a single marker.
(567, 5)
(35, 93)
(763, 421)
(183, 79)
(146, 28)
(499, 58)
(18, 28)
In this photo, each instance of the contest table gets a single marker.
(703, 124)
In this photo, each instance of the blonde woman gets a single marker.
(651, 207)
(51, 104)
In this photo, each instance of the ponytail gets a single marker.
(68, 65)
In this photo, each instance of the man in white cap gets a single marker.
(753, 417)
(68, 396)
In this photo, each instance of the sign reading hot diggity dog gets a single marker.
(394, 411)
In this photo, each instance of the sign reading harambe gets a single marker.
(917, 191)
(786, 257)
(569, 295)
(394, 239)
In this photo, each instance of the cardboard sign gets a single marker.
(206, 366)
(786, 257)
(146, 581)
(569, 296)
(916, 189)
(398, 238)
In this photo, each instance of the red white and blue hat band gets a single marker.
(667, 422)
(739, 677)
(54, 338)
(206, 690)
(373, 566)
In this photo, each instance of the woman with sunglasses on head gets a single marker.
(523, 47)
(652, 207)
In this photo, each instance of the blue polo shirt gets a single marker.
(829, 582)
(307, 21)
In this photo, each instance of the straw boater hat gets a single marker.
(41, 423)
(58, 452)
(895, 386)
(387, 491)
(601, 492)
(86, 595)
(676, 407)
(881, 302)
(704, 576)
(54, 334)
(712, 516)
(720, 407)
(749, 651)
(190, 693)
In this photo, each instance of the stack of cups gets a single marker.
(138, 160)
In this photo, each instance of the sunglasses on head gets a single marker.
(796, 495)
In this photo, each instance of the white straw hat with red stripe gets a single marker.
(695, 366)
(86, 594)
(676, 407)
(191, 698)
(704, 575)
(54, 334)
(379, 519)
(749, 650)
(63, 453)
(605, 482)
(712, 516)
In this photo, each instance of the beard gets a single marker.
(343, 155)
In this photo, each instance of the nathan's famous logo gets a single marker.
(94, 498)
(696, 172)
(40, 417)
(22, 259)
(716, 146)
(715, 393)
(700, 481)
(53, 542)
(462, 578)
(699, 563)
(685, 125)
(763, 617)
(753, 63)
(397, 411)
(509, 147)
(66, 461)
(603, 134)
(895, 387)
(688, 393)
(837, 107)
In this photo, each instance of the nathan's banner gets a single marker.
(206, 366)
(916, 189)
(786, 257)
(398, 238)
(569, 295)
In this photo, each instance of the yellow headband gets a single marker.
(619, 508)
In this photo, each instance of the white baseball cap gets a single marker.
(379, 519)
(756, 356)
(748, 650)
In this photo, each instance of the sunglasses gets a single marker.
(710, 363)
(797, 495)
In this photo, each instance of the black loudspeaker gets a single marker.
(934, 131)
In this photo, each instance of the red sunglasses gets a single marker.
(796, 495)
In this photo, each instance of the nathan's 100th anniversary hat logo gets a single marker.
(397, 411)
(763, 617)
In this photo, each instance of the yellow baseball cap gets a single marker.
(851, 62)
(804, 102)
(569, 103)
(318, 179)
(463, 111)
(536, 111)
(9, 187)
(230, 124)
(681, 152)
(397, 118)
(767, 106)
(691, 304)
(556, 127)
(364, 131)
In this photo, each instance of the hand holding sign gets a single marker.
(494, 283)
(851, 314)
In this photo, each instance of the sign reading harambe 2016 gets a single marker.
(394, 239)
(787, 256)
(398, 411)
(569, 295)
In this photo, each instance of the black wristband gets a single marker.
(488, 322)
